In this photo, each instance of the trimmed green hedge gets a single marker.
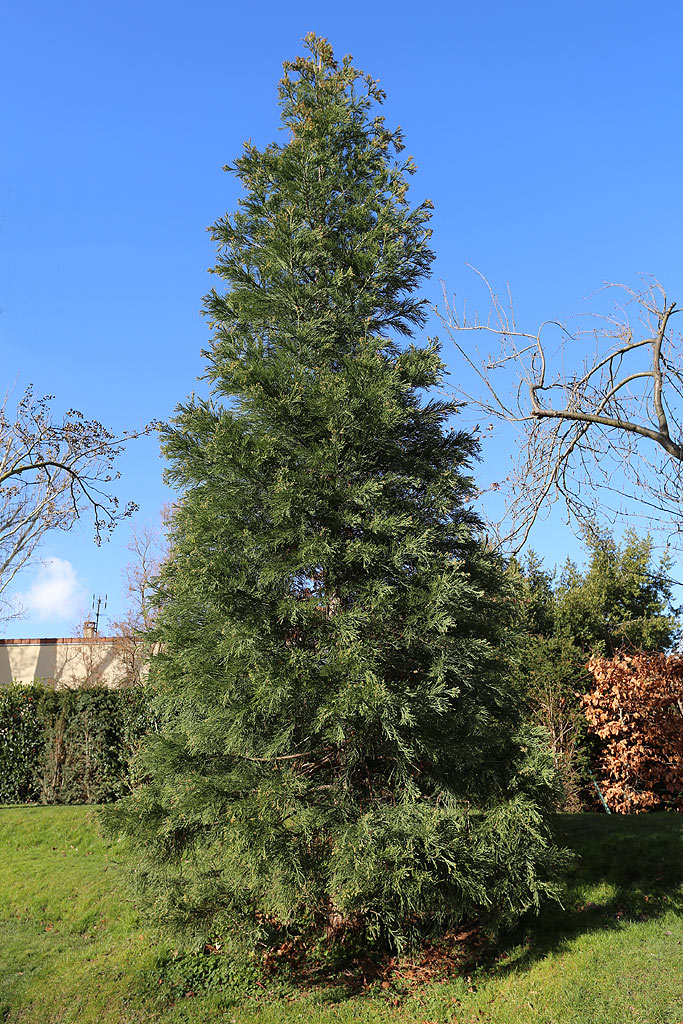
(69, 746)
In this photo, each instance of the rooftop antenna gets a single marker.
(99, 603)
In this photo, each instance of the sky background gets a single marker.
(547, 136)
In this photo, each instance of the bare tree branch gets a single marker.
(52, 473)
(148, 548)
(599, 413)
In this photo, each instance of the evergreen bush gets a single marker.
(69, 746)
(22, 744)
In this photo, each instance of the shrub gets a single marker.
(636, 709)
(21, 744)
(68, 746)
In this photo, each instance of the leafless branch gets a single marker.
(598, 408)
(148, 550)
(51, 473)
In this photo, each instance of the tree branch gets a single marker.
(614, 415)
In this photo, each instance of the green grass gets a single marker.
(72, 949)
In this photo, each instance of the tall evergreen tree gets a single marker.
(342, 740)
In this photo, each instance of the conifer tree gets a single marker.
(623, 600)
(342, 742)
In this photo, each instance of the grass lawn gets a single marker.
(73, 950)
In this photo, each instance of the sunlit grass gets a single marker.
(72, 949)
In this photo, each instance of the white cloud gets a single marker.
(56, 593)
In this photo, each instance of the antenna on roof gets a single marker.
(99, 603)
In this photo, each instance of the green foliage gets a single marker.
(554, 674)
(341, 747)
(175, 974)
(537, 605)
(21, 744)
(622, 600)
(68, 746)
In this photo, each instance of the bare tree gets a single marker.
(51, 473)
(147, 548)
(597, 403)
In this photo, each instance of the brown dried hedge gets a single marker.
(636, 710)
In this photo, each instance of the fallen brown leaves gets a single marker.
(453, 954)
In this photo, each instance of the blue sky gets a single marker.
(547, 136)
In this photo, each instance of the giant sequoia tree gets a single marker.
(341, 746)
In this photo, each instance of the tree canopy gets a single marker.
(622, 600)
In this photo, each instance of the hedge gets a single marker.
(69, 746)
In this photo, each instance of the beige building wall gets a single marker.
(64, 661)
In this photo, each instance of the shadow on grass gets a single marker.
(627, 868)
